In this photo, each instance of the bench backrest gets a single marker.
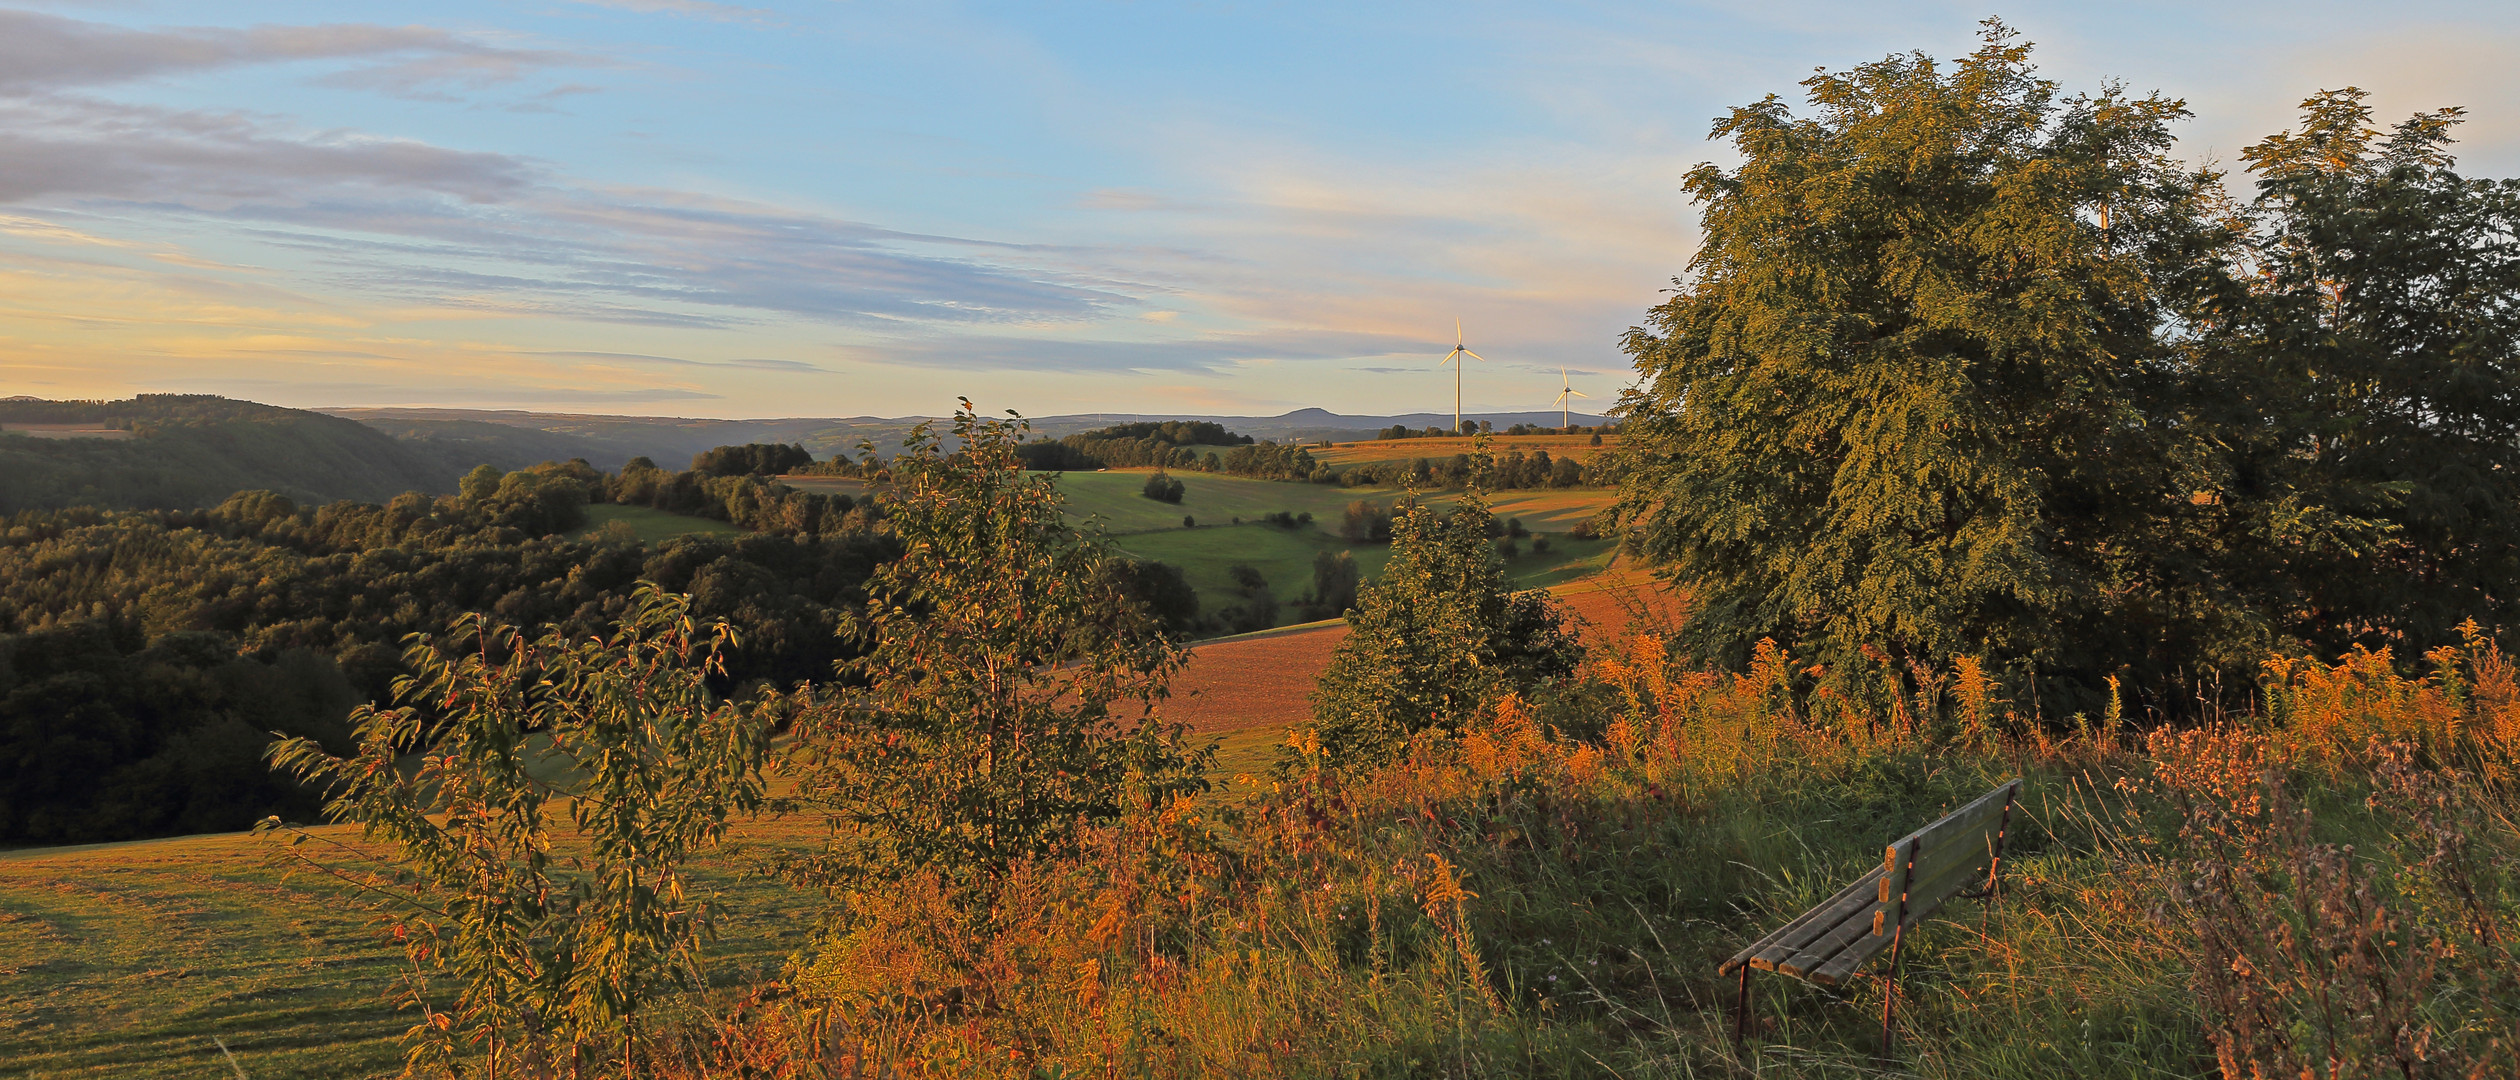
(1926, 868)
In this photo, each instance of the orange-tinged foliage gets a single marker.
(2465, 710)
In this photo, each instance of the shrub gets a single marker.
(1161, 487)
(555, 962)
(1437, 638)
(1366, 522)
(978, 728)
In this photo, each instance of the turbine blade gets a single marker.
(1474, 356)
(1577, 393)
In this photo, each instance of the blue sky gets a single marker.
(841, 208)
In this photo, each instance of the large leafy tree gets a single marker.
(2367, 383)
(1900, 402)
(1967, 367)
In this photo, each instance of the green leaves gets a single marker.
(1968, 367)
(1435, 639)
(979, 727)
(555, 940)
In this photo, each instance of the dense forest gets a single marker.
(145, 654)
(174, 451)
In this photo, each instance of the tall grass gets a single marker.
(2313, 890)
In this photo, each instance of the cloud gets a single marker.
(749, 364)
(81, 147)
(1211, 352)
(496, 234)
(41, 52)
(379, 393)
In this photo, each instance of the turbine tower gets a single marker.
(1566, 387)
(1455, 359)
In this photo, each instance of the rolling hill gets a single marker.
(171, 451)
(510, 439)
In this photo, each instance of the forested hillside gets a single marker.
(146, 656)
(186, 450)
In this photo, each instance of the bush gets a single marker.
(1366, 522)
(978, 729)
(1436, 639)
(1161, 487)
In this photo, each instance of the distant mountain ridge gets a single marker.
(510, 439)
(175, 451)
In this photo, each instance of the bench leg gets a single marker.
(1741, 1009)
(1890, 986)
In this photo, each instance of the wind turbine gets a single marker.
(1455, 359)
(1565, 387)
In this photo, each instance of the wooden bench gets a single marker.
(1918, 874)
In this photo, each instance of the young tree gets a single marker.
(1436, 638)
(978, 728)
(554, 959)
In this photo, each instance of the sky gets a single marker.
(845, 208)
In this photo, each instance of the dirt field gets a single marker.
(1262, 681)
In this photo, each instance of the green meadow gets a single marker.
(1207, 552)
(648, 524)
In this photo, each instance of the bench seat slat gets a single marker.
(1836, 941)
(1808, 925)
(1852, 910)
(1855, 955)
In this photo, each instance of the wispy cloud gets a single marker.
(43, 52)
(79, 147)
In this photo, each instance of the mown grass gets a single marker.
(648, 524)
(128, 960)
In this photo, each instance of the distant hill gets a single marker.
(509, 439)
(171, 451)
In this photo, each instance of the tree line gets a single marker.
(1513, 471)
(1164, 444)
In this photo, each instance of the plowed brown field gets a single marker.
(1263, 680)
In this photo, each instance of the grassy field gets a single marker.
(1214, 500)
(649, 524)
(1149, 529)
(127, 960)
(827, 485)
